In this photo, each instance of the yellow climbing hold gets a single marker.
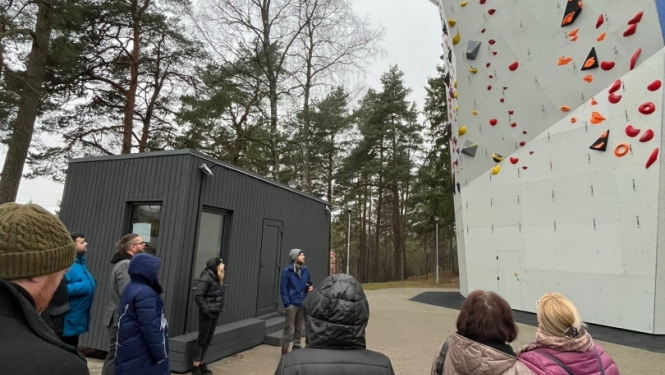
(455, 94)
(496, 169)
(462, 4)
(452, 22)
(462, 130)
(456, 107)
(474, 112)
(497, 158)
(456, 38)
(473, 70)
(455, 84)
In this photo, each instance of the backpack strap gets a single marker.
(600, 363)
(557, 362)
(442, 357)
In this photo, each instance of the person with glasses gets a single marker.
(563, 346)
(126, 248)
(485, 327)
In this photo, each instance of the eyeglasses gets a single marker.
(139, 243)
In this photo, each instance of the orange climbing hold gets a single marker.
(597, 118)
(574, 39)
(588, 78)
(573, 33)
(601, 37)
(568, 19)
(565, 108)
(621, 150)
(593, 101)
(563, 60)
(573, 120)
(591, 61)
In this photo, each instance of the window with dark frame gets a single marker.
(145, 221)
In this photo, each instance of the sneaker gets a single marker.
(196, 370)
(204, 369)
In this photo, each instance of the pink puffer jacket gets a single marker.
(580, 363)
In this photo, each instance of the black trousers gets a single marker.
(206, 332)
(71, 340)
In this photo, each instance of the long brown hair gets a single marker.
(123, 245)
(486, 317)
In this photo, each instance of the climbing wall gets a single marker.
(557, 112)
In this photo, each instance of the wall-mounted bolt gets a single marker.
(634, 185)
(550, 165)
(521, 26)
(552, 194)
(589, 157)
(555, 225)
(548, 136)
(638, 220)
(592, 190)
(594, 223)
(626, 111)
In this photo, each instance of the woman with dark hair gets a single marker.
(485, 326)
(209, 297)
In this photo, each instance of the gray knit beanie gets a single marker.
(294, 254)
(33, 242)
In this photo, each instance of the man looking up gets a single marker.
(294, 285)
(81, 291)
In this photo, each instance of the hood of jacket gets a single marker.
(469, 357)
(337, 314)
(120, 256)
(213, 263)
(81, 259)
(143, 268)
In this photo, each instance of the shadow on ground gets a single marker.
(652, 343)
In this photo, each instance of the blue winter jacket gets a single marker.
(81, 290)
(142, 346)
(293, 287)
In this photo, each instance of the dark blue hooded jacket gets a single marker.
(142, 346)
(293, 287)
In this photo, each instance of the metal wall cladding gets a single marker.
(97, 202)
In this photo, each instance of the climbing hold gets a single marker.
(530, 152)
(652, 158)
(655, 85)
(633, 59)
(632, 28)
(632, 132)
(514, 160)
(647, 136)
(473, 70)
(456, 107)
(591, 60)
(523, 131)
(514, 124)
(607, 65)
(469, 149)
(462, 4)
(491, 42)
(497, 157)
(522, 143)
(494, 53)
(614, 98)
(524, 167)
(452, 22)
(615, 86)
(636, 19)
(489, 87)
(493, 121)
(588, 78)
(456, 38)
(593, 101)
(488, 65)
(496, 169)
(513, 66)
(601, 143)
(573, 9)
(455, 94)
(596, 118)
(472, 49)
(462, 130)
(647, 108)
(573, 39)
(600, 21)
(510, 112)
(483, 31)
(502, 100)
(565, 108)
(482, 2)
(491, 11)
(573, 119)
(621, 150)
(601, 37)
(563, 60)
(491, 76)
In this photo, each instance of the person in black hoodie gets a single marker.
(35, 252)
(337, 314)
(209, 297)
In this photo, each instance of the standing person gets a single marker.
(485, 327)
(209, 297)
(294, 285)
(54, 315)
(126, 248)
(81, 291)
(35, 252)
(337, 315)
(563, 346)
(143, 340)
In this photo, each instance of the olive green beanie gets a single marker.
(33, 242)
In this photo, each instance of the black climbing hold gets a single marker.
(601, 143)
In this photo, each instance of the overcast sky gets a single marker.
(412, 41)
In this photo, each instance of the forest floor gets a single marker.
(446, 280)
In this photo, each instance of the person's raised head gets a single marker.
(486, 317)
(558, 316)
(131, 244)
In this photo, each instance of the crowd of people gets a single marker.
(47, 292)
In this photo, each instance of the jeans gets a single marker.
(294, 325)
(109, 361)
(206, 332)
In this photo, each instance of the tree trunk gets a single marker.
(305, 113)
(128, 121)
(23, 128)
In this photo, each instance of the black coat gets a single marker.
(337, 314)
(27, 344)
(54, 315)
(209, 294)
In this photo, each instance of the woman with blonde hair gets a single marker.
(562, 345)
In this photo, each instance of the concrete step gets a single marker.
(273, 339)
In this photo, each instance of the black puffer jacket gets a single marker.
(337, 315)
(209, 294)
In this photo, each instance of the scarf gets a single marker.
(580, 343)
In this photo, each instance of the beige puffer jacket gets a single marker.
(467, 357)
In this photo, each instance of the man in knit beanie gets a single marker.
(294, 285)
(35, 251)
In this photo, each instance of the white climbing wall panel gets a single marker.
(560, 216)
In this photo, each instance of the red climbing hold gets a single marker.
(522, 143)
(647, 108)
(513, 66)
(633, 59)
(491, 42)
(523, 131)
(511, 112)
(493, 121)
(483, 31)
(491, 76)
(652, 158)
(647, 136)
(614, 98)
(482, 2)
(489, 87)
(632, 28)
(607, 65)
(514, 124)
(530, 152)
(487, 65)
(524, 167)
(502, 100)
(615, 86)
(494, 53)
(514, 160)
(655, 85)
(600, 21)
(636, 19)
(505, 87)
(631, 131)
(491, 11)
